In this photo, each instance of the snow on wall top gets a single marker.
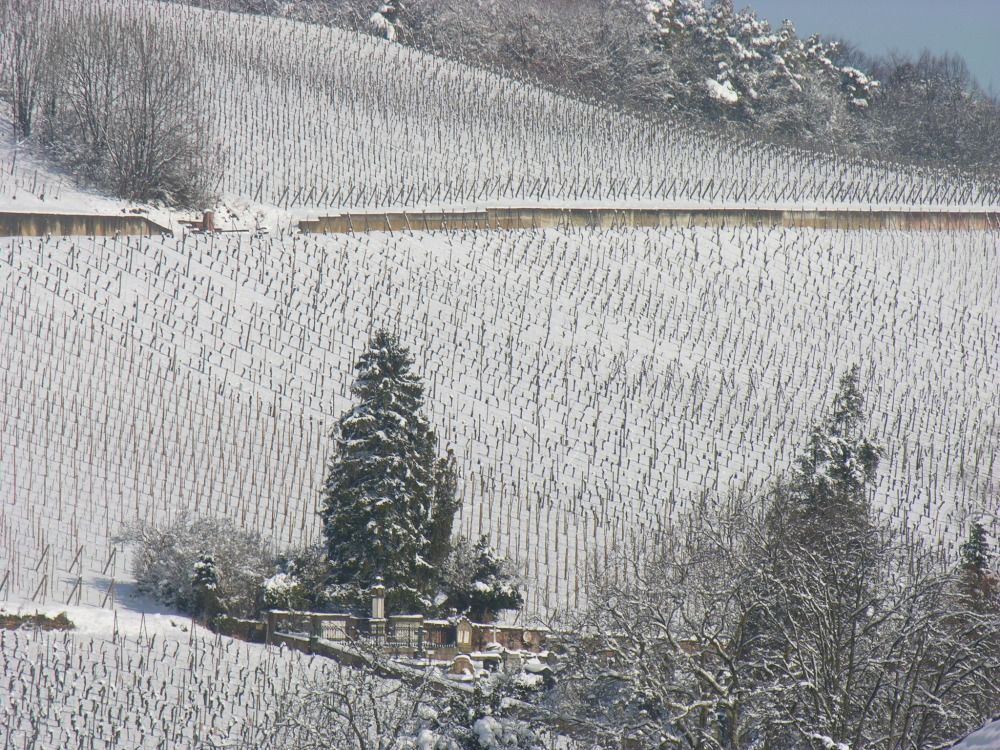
(987, 738)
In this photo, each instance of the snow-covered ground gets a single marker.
(591, 382)
(987, 738)
(132, 679)
(31, 184)
(306, 119)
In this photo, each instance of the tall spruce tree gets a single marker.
(446, 503)
(978, 581)
(830, 479)
(379, 496)
(825, 562)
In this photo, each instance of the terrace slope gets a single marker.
(132, 679)
(316, 116)
(592, 382)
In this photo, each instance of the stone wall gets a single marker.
(547, 218)
(86, 225)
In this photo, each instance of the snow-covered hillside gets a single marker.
(316, 117)
(309, 119)
(137, 680)
(591, 382)
(129, 679)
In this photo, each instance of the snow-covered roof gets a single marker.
(986, 738)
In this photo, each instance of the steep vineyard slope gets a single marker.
(308, 118)
(319, 117)
(129, 679)
(591, 382)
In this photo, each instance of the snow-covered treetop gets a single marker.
(839, 460)
(749, 55)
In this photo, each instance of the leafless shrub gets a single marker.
(107, 94)
(25, 48)
(729, 629)
(129, 119)
(349, 708)
(165, 558)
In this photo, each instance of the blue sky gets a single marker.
(969, 27)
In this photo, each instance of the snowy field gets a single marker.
(307, 119)
(132, 680)
(137, 680)
(591, 382)
(345, 128)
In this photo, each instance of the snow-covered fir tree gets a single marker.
(205, 582)
(445, 507)
(385, 21)
(977, 580)
(753, 72)
(831, 478)
(379, 510)
(976, 551)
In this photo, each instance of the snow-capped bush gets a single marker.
(178, 562)
(282, 591)
(478, 582)
(497, 734)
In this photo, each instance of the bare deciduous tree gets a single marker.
(25, 39)
(790, 620)
(103, 92)
(728, 633)
(131, 117)
(350, 708)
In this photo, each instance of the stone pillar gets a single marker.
(208, 221)
(378, 602)
(272, 626)
(377, 624)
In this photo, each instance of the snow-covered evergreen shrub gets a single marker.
(180, 562)
(481, 720)
(384, 21)
(477, 582)
(283, 591)
(302, 582)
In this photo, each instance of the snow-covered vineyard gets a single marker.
(351, 121)
(158, 686)
(591, 382)
(129, 680)
(345, 129)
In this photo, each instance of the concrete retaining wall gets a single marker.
(41, 225)
(548, 218)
